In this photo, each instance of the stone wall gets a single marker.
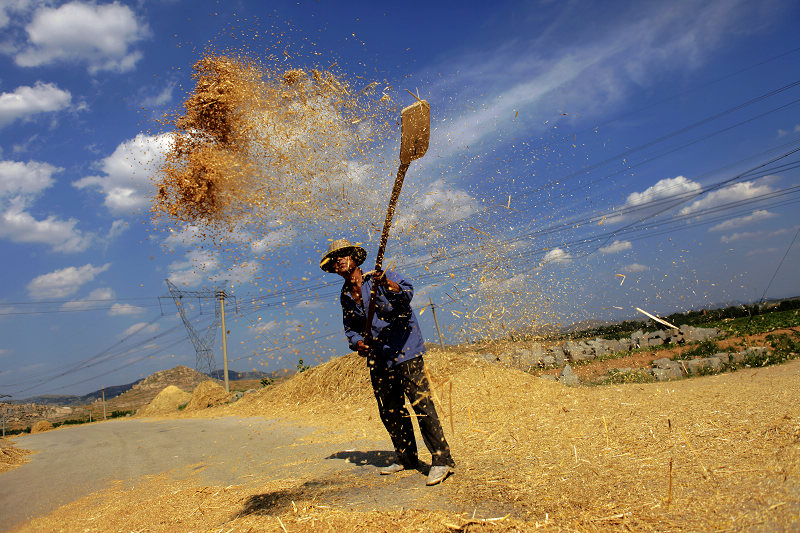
(539, 356)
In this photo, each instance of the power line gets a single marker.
(763, 296)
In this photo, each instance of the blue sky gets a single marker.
(586, 158)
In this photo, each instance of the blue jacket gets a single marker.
(395, 330)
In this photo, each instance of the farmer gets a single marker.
(395, 357)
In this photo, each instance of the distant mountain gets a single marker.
(233, 375)
(67, 400)
(181, 376)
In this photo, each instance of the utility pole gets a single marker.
(104, 403)
(221, 295)
(435, 321)
(204, 346)
(5, 409)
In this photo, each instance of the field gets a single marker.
(719, 452)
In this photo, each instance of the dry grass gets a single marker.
(720, 452)
(10, 456)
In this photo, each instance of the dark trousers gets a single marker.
(391, 386)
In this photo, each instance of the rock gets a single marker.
(661, 374)
(548, 360)
(662, 363)
(697, 366)
(713, 363)
(558, 354)
(636, 338)
(724, 357)
(568, 377)
(548, 377)
(654, 341)
(625, 345)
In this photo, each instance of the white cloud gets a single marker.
(160, 99)
(754, 234)
(312, 304)
(616, 247)
(118, 309)
(19, 226)
(591, 73)
(557, 255)
(273, 239)
(25, 179)
(278, 327)
(758, 214)
(661, 193)
(95, 297)
(118, 227)
(188, 235)
(782, 132)
(127, 180)
(199, 265)
(438, 205)
(9, 7)
(140, 327)
(665, 188)
(20, 186)
(733, 193)
(763, 251)
(101, 36)
(635, 267)
(27, 101)
(64, 282)
(4, 352)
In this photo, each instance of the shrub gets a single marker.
(705, 348)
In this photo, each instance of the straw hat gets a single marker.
(342, 247)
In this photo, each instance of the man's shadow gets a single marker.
(281, 500)
(376, 458)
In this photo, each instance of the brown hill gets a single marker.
(146, 390)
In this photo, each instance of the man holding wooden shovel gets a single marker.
(381, 326)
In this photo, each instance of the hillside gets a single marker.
(144, 391)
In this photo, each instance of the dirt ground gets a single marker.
(710, 453)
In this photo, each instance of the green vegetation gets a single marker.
(301, 366)
(182, 406)
(265, 382)
(700, 349)
(735, 320)
(761, 323)
(636, 376)
(119, 414)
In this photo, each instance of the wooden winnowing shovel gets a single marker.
(415, 127)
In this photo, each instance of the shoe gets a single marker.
(437, 474)
(391, 469)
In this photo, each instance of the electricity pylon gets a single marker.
(204, 346)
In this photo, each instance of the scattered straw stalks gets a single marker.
(719, 452)
(10, 456)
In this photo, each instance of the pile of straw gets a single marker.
(207, 394)
(11, 456)
(167, 401)
(41, 426)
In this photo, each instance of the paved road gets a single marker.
(75, 461)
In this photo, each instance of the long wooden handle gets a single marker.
(387, 224)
